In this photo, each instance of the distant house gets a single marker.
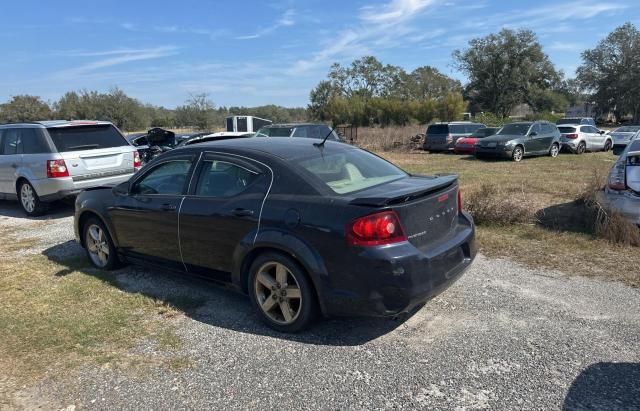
(582, 110)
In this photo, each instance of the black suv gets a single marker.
(443, 136)
(308, 130)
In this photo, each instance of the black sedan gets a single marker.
(302, 228)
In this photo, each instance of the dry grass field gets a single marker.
(542, 221)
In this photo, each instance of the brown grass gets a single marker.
(389, 138)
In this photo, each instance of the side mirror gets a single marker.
(122, 189)
(601, 131)
(533, 134)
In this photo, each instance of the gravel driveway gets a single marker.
(503, 337)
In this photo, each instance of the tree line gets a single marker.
(504, 70)
(130, 114)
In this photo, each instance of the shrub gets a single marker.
(606, 223)
(496, 205)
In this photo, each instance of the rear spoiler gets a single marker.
(405, 194)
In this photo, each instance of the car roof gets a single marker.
(58, 123)
(284, 148)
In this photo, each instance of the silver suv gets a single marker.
(48, 160)
(581, 138)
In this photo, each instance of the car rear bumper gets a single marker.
(394, 279)
(625, 203)
(430, 146)
(51, 189)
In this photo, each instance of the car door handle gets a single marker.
(168, 207)
(14, 165)
(242, 212)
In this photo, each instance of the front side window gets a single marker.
(168, 178)
(223, 179)
(349, 170)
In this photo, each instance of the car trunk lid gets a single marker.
(427, 206)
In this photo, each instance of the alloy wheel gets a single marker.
(28, 198)
(555, 150)
(581, 148)
(278, 293)
(517, 154)
(97, 245)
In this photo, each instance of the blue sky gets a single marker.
(260, 52)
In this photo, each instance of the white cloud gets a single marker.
(394, 11)
(117, 57)
(287, 19)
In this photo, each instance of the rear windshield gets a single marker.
(86, 137)
(565, 130)
(628, 129)
(515, 129)
(275, 132)
(438, 129)
(350, 170)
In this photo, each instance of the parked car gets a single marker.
(621, 137)
(254, 213)
(622, 192)
(519, 140)
(308, 130)
(587, 121)
(467, 145)
(581, 138)
(443, 136)
(48, 160)
(223, 135)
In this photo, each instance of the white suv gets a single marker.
(48, 160)
(580, 138)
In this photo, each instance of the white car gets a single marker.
(580, 138)
(622, 192)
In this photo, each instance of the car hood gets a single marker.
(622, 135)
(499, 138)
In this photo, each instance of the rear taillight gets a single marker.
(57, 168)
(617, 177)
(571, 136)
(459, 202)
(449, 138)
(375, 229)
(136, 160)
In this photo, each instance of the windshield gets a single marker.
(627, 129)
(86, 137)
(515, 129)
(350, 170)
(275, 132)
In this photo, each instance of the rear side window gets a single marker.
(349, 170)
(472, 128)
(10, 141)
(301, 132)
(438, 129)
(33, 141)
(222, 179)
(86, 138)
(459, 129)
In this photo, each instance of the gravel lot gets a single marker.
(502, 337)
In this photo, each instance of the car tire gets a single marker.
(554, 150)
(607, 146)
(517, 154)
(282, 293)
(582, 147)
(29, 200)
(99, 246)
